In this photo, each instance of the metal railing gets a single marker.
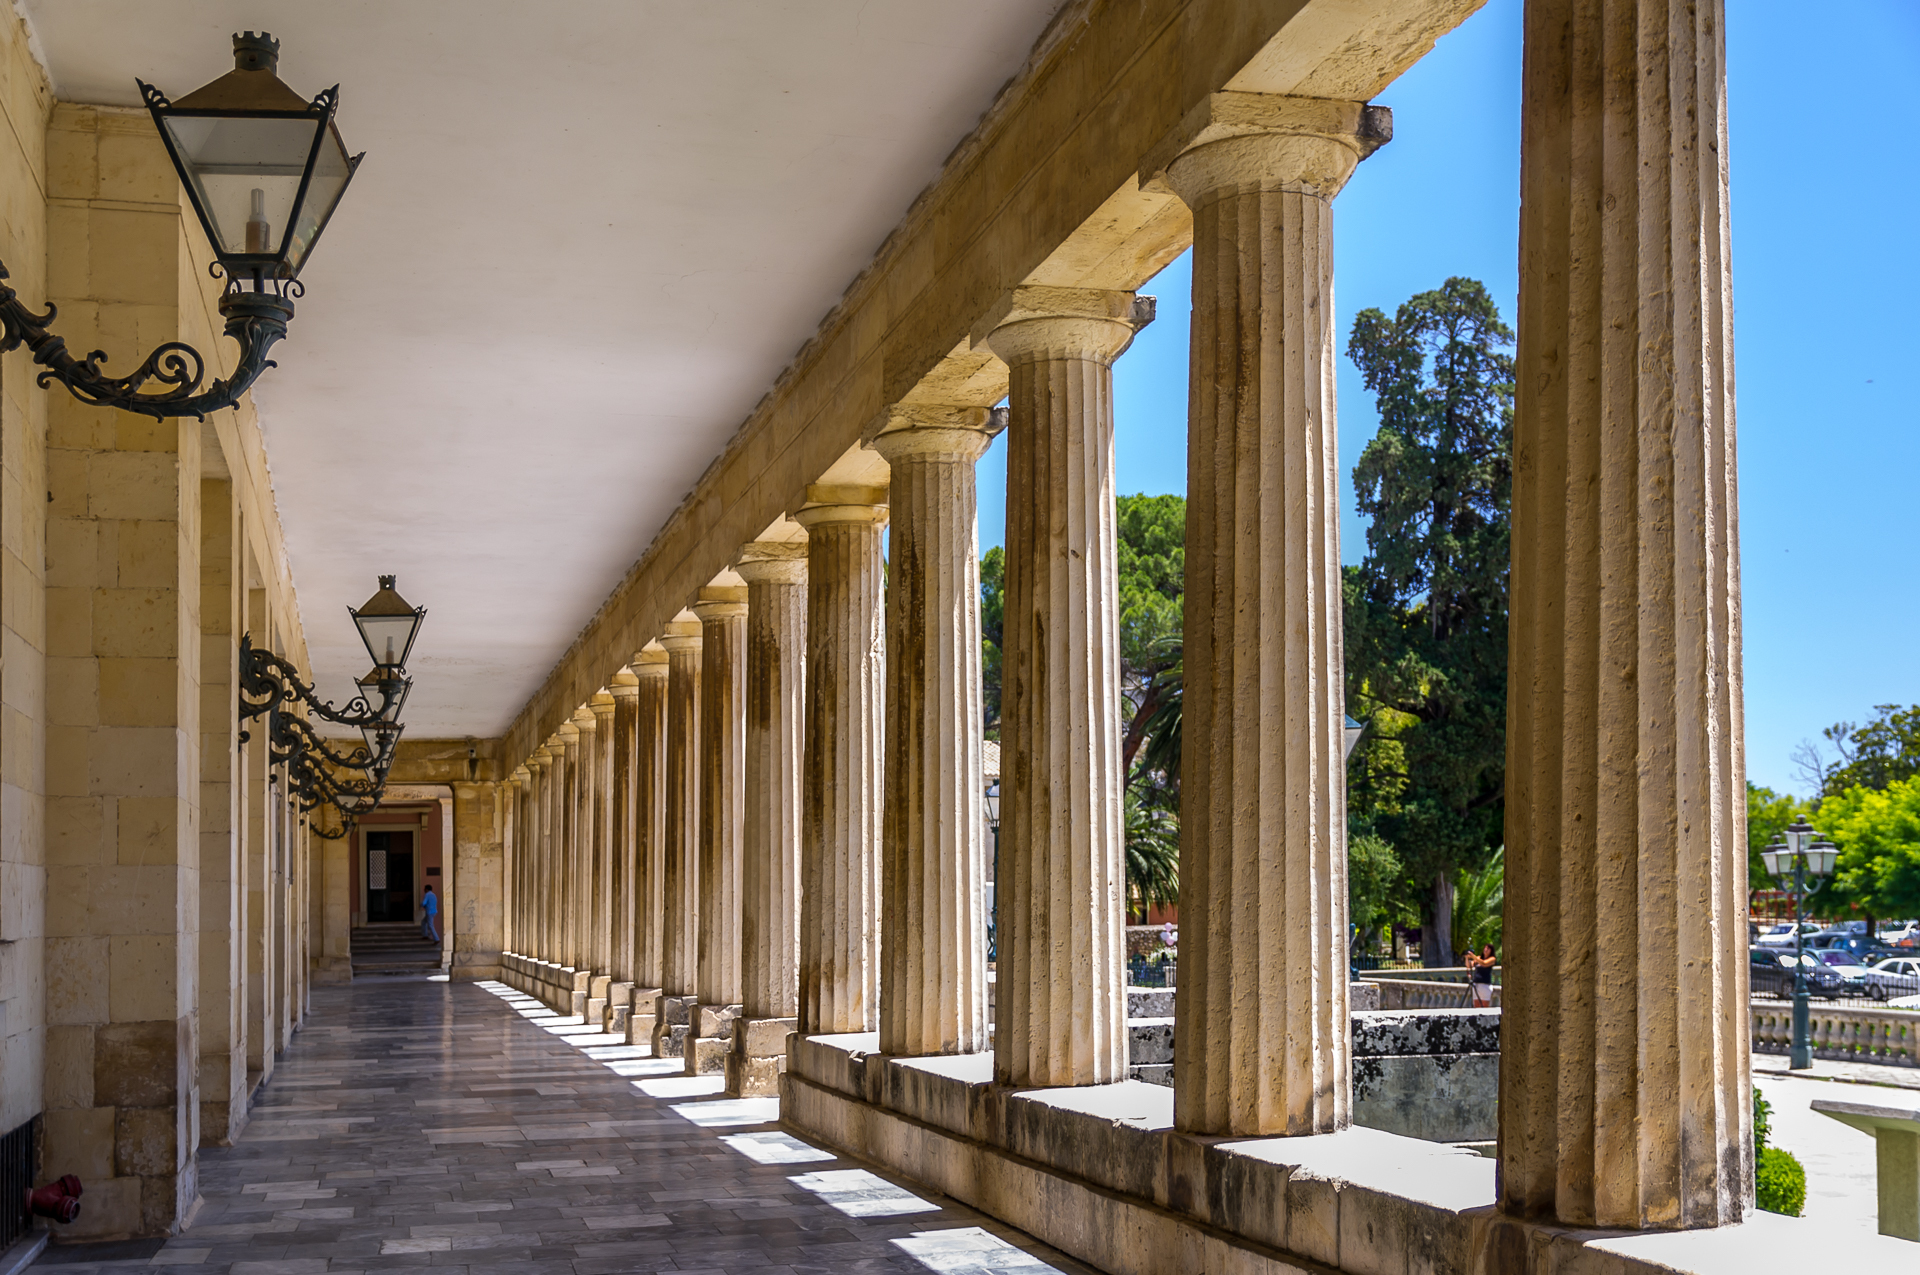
(16, 1179)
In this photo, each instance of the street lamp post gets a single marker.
(1810, 861)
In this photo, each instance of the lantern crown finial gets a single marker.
(255, 52)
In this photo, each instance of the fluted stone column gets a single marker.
(776, 576)
(933, 949)
(680, 849)
(846, 697)
(1061, 1017)
(649, 837)
(619, 734)
(722, 609)
(597, 906)
(577, 742)
(1260, 1024)
(541, 859)
(1625, 1084)
(515, 937)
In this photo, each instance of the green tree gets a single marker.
(1426, 612)
(1152, 852)
(1880, 752)
(1878, 833)
(1373, 878)
(1768, 812)
(1478, 899)
(993, 602)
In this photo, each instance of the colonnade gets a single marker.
(785, 833)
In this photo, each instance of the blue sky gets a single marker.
(1826, 188)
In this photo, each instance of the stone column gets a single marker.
(516, 852)
(649, 836)
(539, 861)
(599, 900)
(776, 576)
(846, 693)
(619, 733)
(1624, 1083)
(573, 831)
(933, 944)
(222, 985)
(554, 878)
(1062, 1003)
(722, 609)
(680, 846)
(1260, 1020)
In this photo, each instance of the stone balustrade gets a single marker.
(1843, 1033)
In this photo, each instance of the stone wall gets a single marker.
(153, 895)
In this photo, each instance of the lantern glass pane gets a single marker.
(246, 172)
(1773, 858)
(331, 169)
(387, 637)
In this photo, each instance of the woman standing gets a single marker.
(1480, 978)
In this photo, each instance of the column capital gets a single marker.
(1267, 141)
(565, 737)
(601, 705)
(649, 661)
(933, 431)
(1033, 322)
(521, 775)
(583, 719)
(723, 599)
(773, 562)
(682, 635)
(624, 685)
(829, 505)
(540, 758)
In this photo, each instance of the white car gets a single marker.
(1782, 935)
(1896, 976)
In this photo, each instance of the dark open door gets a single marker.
(389, 870)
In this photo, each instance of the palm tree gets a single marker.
(1152, 852)
(1477, 901)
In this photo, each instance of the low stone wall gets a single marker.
(1402, 993)
(1844, 1033)
(1428, 1074)
(559, 987)
(1101, 1174)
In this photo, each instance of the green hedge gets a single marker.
(1780, 1184)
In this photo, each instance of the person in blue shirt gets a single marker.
(430, 923)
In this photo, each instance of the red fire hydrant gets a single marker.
(58, 1200)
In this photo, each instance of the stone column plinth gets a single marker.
(776, 576)
(1061, 1013)
(1625, 1093)
(722, 610)
(649, 838)
(933, 949)
(1261, 1010)
(846, 697)
(680, 849)
(619, 735)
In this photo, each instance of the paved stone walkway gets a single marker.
(464, 1127)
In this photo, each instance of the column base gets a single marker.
(709, 1039)
(641, 1016)
(757, 1056)
(619, 1009)
(577, 1002)
(671, 1024)
(596, 1010)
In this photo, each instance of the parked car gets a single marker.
(1781, 935)
(1907, 935)
(1857, 977)
(1895, 976)
(1770, 973)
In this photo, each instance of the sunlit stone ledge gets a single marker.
(1099, 1172)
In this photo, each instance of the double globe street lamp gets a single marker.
(317, 773)
(264, 169)
(1798, 852)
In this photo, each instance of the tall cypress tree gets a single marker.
(1426, 612)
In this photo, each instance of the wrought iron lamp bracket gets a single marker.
(255, 320)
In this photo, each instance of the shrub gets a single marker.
(1780, 1184)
